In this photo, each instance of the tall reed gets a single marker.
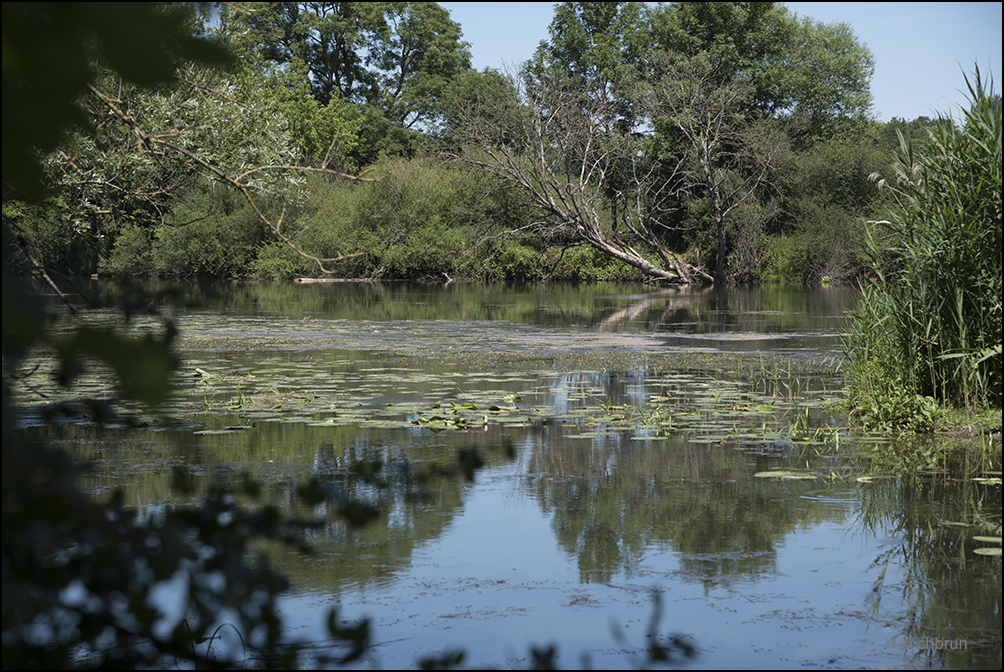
(930, 326)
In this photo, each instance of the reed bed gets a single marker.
(927, 332)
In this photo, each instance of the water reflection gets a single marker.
(599, 306)
(574, 518)
(612, 500)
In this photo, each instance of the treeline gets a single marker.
(237, 166)
(339, 140)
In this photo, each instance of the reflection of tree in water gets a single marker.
(598, 307)
(612, 499)
(599, 552)
(710, 310)
(667, 305)
(951, 594)
(418, 487)
(733, 535)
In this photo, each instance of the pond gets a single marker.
(629, 458)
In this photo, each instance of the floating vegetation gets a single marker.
(873, 477)
(464, 376)
(334, 390)
(987, 550)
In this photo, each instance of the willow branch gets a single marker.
(147, 141)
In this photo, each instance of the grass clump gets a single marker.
(927, 333)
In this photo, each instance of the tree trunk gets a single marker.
(679, 272)
(719, 216)
(717, 209)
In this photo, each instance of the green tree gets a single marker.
(326, 134)
(747, 40)
(827, 75)
(392, 59)
(794, 67)
(825, 198)
(555, 150)
(106, 178)
(727, 88)
(596, 47)
(327, 38)
(915, 132)
(725, 158)
(467, 92)
(419, 52)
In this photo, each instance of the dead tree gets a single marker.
(557, 148)
(725, 157)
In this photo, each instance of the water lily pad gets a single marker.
(872, 478)
(987, 551)
(989, 540)
(785, 475)
(710, 440)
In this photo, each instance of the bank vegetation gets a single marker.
(689, 142)
(683, 143)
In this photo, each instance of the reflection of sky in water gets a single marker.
(497, 581)
(573, 390)
(503, 571)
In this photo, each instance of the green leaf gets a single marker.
(142, 365)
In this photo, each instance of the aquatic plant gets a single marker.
(930, 326)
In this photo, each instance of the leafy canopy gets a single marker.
(393, 61)
(47, 63)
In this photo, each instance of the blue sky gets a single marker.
(921, 49)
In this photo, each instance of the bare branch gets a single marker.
(559, 149)
(45, 271)
(733, 155)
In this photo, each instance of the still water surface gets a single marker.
(622, 430)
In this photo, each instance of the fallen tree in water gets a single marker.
(558, 151)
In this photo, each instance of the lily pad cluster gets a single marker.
(337, 390)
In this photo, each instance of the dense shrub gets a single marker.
(414, 222)
(55, 243)
(209, 232)
(212, 231)
(825, 197)
(131, 255)
(278, 261)
(509, 261)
